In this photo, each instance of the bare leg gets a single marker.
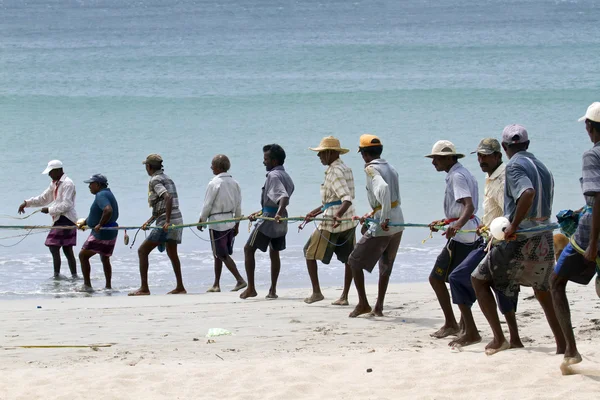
(230, 264)
(216, 287)
(107, 271)
(343, 300)
(143, 251)
(450, 326)
(313, 273)
(563, 314)
(55, 251)
(470, 333)
(487, 303)
(174, 257)
(384, 279)
(275, 268)
(68, 251)
(545, 299)
(515, 339)
(250, 264)
(363, 306)
(84, 260)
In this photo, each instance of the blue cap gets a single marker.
(98, 178)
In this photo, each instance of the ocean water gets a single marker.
(100, 84)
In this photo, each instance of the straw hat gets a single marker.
(329, 143)
(444, 148)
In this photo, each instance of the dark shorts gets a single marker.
(222, 242)
(62, 237)
(573, 266)
(527, 262)
(260, 241)
(322, 245)
(373, 249)
(102, 247)
(451, 256)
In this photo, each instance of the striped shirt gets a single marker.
(493, 198)
(159, 184)
(590, 185)
(338, 185)
(523, 172)
(383, 189)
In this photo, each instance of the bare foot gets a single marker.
(108, 287)
(377, 312)
(239, 285)
(360, 309)
(494, 347)
(340, 302)
(565, 366)
(248, 293)
(86, 289)
(140, 292)
(178, 291)
(445, 331)
(271, 296)
(516, 343)
(214, 289)
(465, 340)
(314, 298)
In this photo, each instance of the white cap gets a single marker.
(444, 148)
(54, 164)
(592, 113)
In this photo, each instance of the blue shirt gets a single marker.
(523, 172)
(103, 198)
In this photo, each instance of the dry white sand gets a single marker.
(281, 349)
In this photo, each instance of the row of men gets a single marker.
(522, 190)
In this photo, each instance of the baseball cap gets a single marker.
(97, 178)
(368, 140)
(488, 146)
(54, 164)
(592, 113)
(515, 133)
(153, 159)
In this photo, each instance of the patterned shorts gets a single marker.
(527, 262)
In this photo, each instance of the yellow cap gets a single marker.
(368, 140)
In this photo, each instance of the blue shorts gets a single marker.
(573, 266)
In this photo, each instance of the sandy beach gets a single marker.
(280, 349)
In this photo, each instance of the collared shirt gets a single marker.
(277, 186)
(460, 184)
(103, 198)
(590, 185)
(383, 189)
(159, 184)
(338, 185)
(524, 171)
(223, 200)
(493, 198)
(60, 195)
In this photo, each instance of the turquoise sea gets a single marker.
(100, 84)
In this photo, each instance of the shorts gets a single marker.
(322, 245)
(527, 262)
(451, 256)
(160, 236)
(373, 249)
(62, 237)
(573, 266)
(222, 242)
(103, 247)
(260, 241)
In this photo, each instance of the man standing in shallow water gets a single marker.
(163, 199)
(58, 200)
(380, 240)
(275, 198)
